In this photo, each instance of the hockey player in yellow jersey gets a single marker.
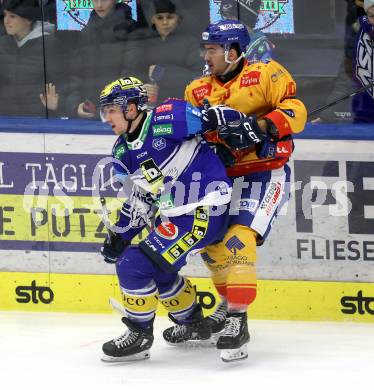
(255, 148)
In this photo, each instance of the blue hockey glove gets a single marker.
(113, 247)
(215, 117)
(243, 134)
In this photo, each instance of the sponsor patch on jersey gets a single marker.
(202, 92)
(159, 144)
(234, 245)
(151, 171)
(290, 113)
(119, 151)
(159, 130)
(275, 76)
(164, 117)
(164, 108)
(249, 205)
(250, 79)
(167, 230)
(165, 202)
(271, 198)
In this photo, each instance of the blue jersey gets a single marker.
(169, 167)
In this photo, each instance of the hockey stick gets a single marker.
(105, 219)
(362, 89)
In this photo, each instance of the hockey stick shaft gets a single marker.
(362, 89)
(105, 214)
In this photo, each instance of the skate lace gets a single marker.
(220, 314)
(232, 326)
(179, 330)
(125, 339)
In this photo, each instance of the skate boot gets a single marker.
(134, 344)
(193, 333)
(215, 322)
(233, 341)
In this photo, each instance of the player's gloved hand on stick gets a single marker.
(113, 247)
(243, 134)
(216, 116)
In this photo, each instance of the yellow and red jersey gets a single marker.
(266, 90)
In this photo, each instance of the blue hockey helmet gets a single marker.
(227, 33)
(123, 91)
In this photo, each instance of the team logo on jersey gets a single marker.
(159, 144)
(159, 130)
(250, 79)
(234, 244)
(202, 92)
(167, 230)
(164, 108)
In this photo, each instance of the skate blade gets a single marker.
(233, 355)
(193, 344)
(123, 359)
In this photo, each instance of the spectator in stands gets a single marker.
(99, 55)
(2, 29)
(23, 80)
(363, 103)
(164, 56)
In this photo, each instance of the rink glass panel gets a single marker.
(313, 40)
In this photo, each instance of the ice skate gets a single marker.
(234, 339)
(197, 332)
(181, 335)
(133, 345)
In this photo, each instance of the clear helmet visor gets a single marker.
(108, 109)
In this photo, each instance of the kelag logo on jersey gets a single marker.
(159, 130)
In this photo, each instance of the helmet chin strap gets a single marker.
(130, 121)
(229, 63)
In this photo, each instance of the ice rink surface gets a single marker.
(62, 351)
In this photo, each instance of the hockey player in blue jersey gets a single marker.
(169, 170)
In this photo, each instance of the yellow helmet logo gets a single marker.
(123, 84)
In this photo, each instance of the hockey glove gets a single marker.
(242, 135)
(214, 117)
(224, 154)
(113, 247)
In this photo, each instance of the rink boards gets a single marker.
(276, 300)
(50, 226)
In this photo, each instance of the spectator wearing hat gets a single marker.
(22, 73)
(164, 55)
(99, 55)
